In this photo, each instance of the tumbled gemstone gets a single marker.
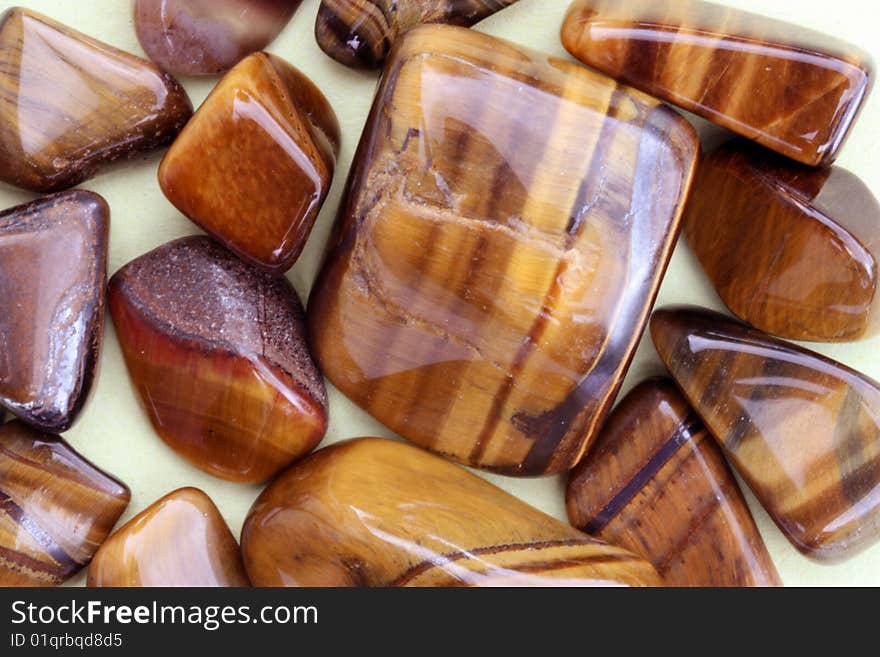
(792, 250)
(802, 430)
(216, 350)
(360, 33)
(53, 272)
(791, 89)
(254, 165)
(657, 484)
(374, 512)
(206, 37)
(56, 508)
(180, 540)
(72, 104)
(504, 233)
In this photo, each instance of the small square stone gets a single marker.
(255, 163)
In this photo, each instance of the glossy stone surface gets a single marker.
(791, 89)
(53, 273)
(254, 165)
(360, 33)
(207, 37)
(657, 484)
(507, 223)
(802, 430)
(374, 512)
(70, 104)
(179, 541)
(56, 508)
(216, 350)
(792, 250)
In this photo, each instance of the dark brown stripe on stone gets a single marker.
(684, 432)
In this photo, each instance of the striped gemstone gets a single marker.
(506, 227)
(792, 90)
(656, 483)
(802, 430)
(56, 508)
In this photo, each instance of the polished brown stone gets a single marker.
(802, 430)
(374, 512)
(792, 250)
(207, 37)
(254, 165)
(791, 89)
(70, 104)
(53, 273)
(179, 541)
(56, 508)
(216, 349)
(657, 484)
(360, 33)
(506, 226)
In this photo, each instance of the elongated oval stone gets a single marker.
(374, 512)
(360, 33)
(802, 430)
(56, 508)
(70, 104)
(657, 484)
(179, 541)
(792, 250)
(53, 274)
(254, 165)
(505, 230)
(793, 90)
(207, 37)
(216, 350)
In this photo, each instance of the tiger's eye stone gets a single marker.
(254, 165)
(360, 33)
(374, 512)
(70, 104)
(802, 430)
(657, 484)
(216, 351)
(792, 250)
(56, 508)
(793, 90)
(506, 226)
(180, 540)
(53, 273)
(207, 37)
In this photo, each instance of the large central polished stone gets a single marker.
(506, 227)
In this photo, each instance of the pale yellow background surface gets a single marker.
(114, 431)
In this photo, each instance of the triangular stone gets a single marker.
(53, 267)
(70, 104)
(803, 430)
